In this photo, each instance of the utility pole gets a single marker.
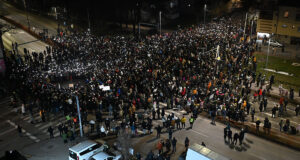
(245, 25)
(79, 116)
(89, 22)
(204, 13)
(160, 23)
(268, 52)
(251, 29)
(25, 5)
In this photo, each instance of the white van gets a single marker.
(84, 150)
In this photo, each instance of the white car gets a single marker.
(84, 150)
(275, 43)
(106, 156)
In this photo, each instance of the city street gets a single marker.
(24, 40)
(120, 81)
(36, 135)
(37, 23)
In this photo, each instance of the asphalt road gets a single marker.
(212, 135)
(37, 23)
(24, 40)
(35, 142)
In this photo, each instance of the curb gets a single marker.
(274, 136)
(26, 29)
(275, 96)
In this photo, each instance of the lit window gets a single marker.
(286, 14)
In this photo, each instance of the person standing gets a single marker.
(20, 131)
(186, 143)
(174, 141)
(280, 125)
(257, 125)
(23, 109)
(271, 80)
(265, 104)
(183, 119)
(235, 138)
(266, 124)
(60, 129)
(225, 133)
(153, 114)
(252, 114)
(160, 147)
(297, 110)
(177, 121)
(191, 122)
(168, 145)
(269, 128)
(170, 134)
(158, 130)
(229, 136)
(50, 130)
(242, 135)
(261, 106)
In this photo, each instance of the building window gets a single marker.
(284, 26)
(286, 14)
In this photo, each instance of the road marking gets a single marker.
(37, 125)
(26, 118)
(170, 112)
(199, 133)
(45, 126)
(56, 134)
(24, 131)
(3, 133)
(4, 114)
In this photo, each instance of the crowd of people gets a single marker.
(197, 68)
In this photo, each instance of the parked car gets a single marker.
(274, 43)
(106, 156)
(84, 150)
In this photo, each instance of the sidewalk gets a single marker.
(274, 92)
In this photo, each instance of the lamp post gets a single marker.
(79, 116)
(268, 52)
(160, 23)
(245, 25)
(24, 1)
(204, 13)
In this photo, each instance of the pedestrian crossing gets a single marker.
(41, 126)
(53, 121)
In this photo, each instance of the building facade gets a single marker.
(283, 23)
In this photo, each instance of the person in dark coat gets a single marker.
(235, 138)
(225, 133)
(229, 136)
(174, 141)
(241, 137)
